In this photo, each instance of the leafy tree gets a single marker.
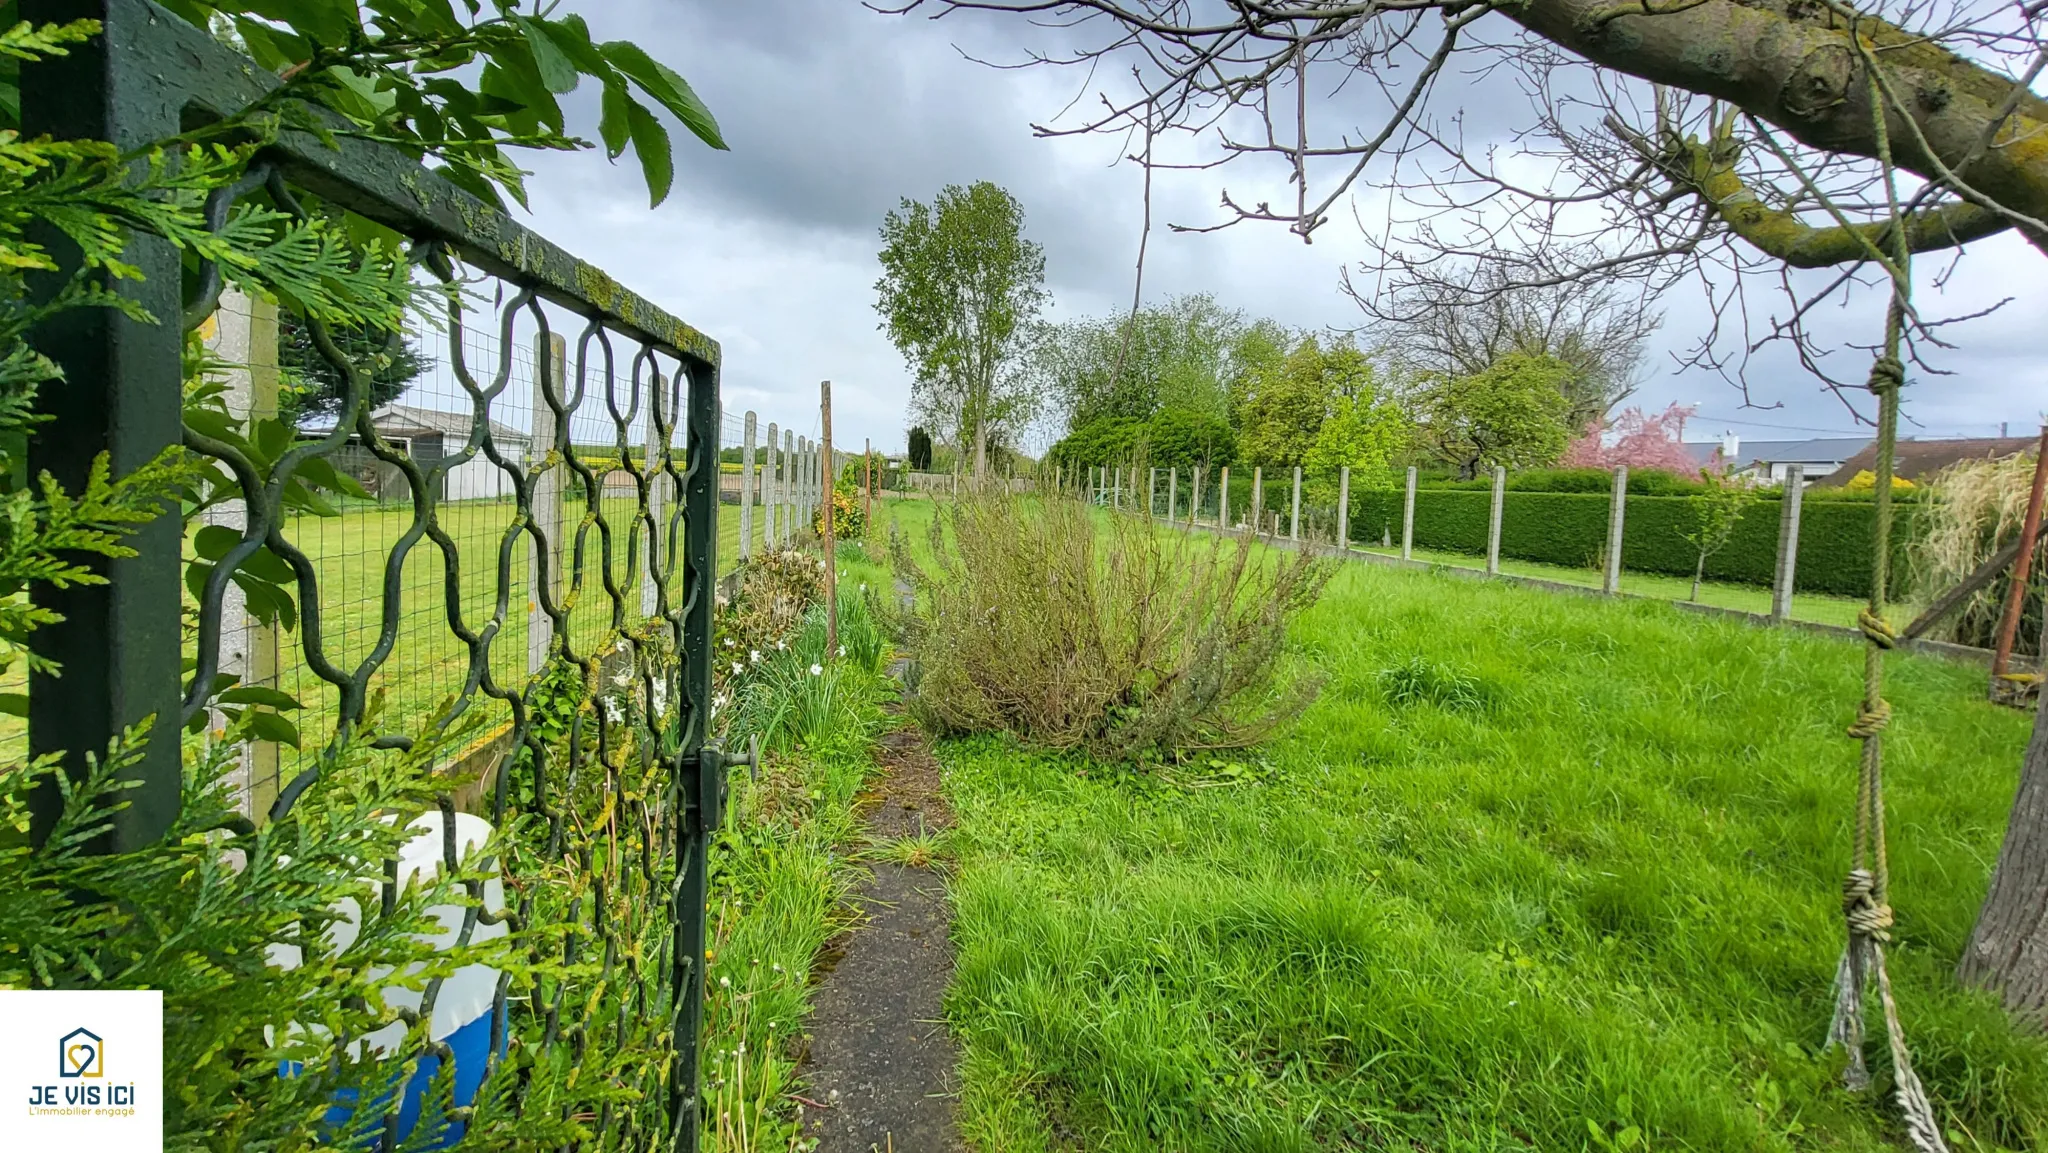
(920, 449)
(1641, 441)
(1282, 401)
(313, 387)
(959, 287)
(1365, 433)
(1510, 414)
(1716, 510)
(1187, 438)
(1173, 355)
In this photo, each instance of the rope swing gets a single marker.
(1866, 907)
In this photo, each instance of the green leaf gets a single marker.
(214, 541)
(556, 70)
(271, 727)
(196, 573)
(259, 695)
(14, 704)
(613, 124)
(669, 89)
(650, 142)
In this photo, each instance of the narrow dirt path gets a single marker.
(880, 1062)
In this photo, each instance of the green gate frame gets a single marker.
(151, 76)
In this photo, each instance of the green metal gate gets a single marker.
(618, 795)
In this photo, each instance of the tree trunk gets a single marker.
(1699, 571)
(2008, 950)
(980, 452)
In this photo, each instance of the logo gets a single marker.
(85, 1105)
(81, 1053)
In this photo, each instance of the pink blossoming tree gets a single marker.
(1639, 440)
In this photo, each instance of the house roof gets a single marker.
(409, 421)
(1915, 458)
(1751, 453)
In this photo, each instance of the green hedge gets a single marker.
(1571, 529)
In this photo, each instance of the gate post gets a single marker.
(1500, 489)
(119, 642)
(1788, 542)
(694, 777)
(1611, 583)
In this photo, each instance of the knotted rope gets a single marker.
(1866, 907)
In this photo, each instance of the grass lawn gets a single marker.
(1578, 893)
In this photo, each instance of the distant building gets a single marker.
(1915, 459)
(427, 436)
(1772, 460)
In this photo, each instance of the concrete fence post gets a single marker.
(788, 487)
(1408, 518)
(1500, 491)
(1788, 542)
(1223, 500)
(1152, 492)
(1258, 521)
(551, 364)
(747, 488)
(1344, 508)
(768, 538)
(650, 599)
(1616, 514)
(244, 334)
(1195, 498)
(1172, 493)
(1294, 524)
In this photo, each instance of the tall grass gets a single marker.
(1531, 868)
(1125, 639)
(1975, 507)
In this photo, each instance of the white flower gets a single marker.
(863, 586)
(754, 655)
(735, 666)
(779, 646)
(842, 650)
(817, 670)
(613, 712)
(725, 982)
(728, 642)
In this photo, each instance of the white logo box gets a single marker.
(82, 1070)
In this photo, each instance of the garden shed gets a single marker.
(427, 435)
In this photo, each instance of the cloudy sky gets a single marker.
(835, 112)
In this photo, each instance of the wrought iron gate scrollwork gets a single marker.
(599, 782)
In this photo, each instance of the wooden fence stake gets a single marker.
(1788, 542)
(825, 479)
(1258, 521)
(2030, 529)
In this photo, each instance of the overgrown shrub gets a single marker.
(849, 514)
(1131, 642)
